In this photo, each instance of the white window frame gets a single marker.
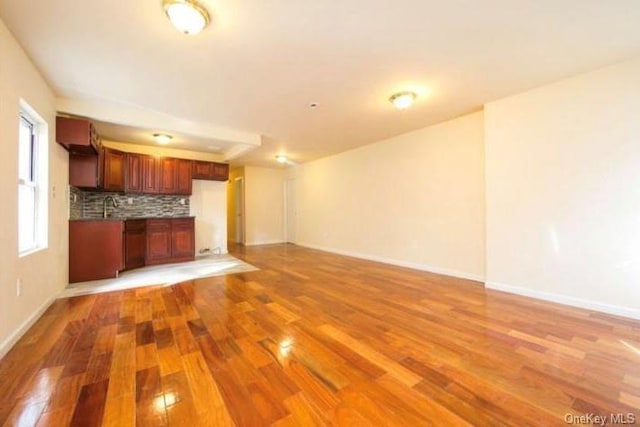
(38, 181)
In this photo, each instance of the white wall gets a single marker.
(264, 213)
(208, 203)
(416, 200)
(563, 191)
(44, 273)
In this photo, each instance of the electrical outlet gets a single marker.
(183, 202)
(53, 192)
(130, 200)
(18, 287)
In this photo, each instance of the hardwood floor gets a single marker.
(312, 339)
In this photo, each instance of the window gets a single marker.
(32, 175)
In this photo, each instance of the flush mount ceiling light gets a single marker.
(188, 16)
(281, 158)
(162, 138)
(403, 100)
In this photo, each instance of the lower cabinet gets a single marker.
(95, 250)
(135, 243)
(182, 239)
(170, 240)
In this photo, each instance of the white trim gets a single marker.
(399, 263)
(12, 339)
(566, 300)
(265, 242)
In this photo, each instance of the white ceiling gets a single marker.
(261, 63)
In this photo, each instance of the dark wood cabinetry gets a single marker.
(84, 171)
(135, 243)
(134, 176)
(78, 136)
(167, 166)
(183, 176)
(170, 240)
(158, 241)
(210, 171)
(182, 239)
(114, 168)
(95, 250)
(150, 179)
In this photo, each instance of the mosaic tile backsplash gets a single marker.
(129, 205)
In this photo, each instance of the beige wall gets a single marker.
(416, 200)
(208, 203)
(264, 208)
(43, 274)
(563, 191)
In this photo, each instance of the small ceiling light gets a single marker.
(313, 105)
(162, 138)
(281, 158)
(188, 16)
(403, 100)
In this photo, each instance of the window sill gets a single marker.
(31, 251)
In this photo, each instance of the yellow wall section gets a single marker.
(231, 203)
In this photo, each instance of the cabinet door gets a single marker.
(183, 176)
(158, 241)
(220, 171)
(134, 173)
(168, 179)
(135, 243)
(83, 170)
(149, 174)
(202, 170)
(182, 239)
(113, 170)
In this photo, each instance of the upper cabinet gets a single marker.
(134, 173)
(167, 175)
(114, 170)
(210, 171)
(150, 174)
(78, 136)
(183, 176)
(92, 166)
(175, 176)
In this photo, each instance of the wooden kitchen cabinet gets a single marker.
(182, 239)
(134, 173)
(95, 249)
(78, 136)
(135, 243)
(210, 171)
(158, 241)
(150, 175)
(183, 176)
(114, 168)
(170, 240)
(167, 175)
(84, 171)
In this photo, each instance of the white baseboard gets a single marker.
(566, 300)
(399, 263)
(265, 242)
(12, 339)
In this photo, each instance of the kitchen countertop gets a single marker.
(131, 218)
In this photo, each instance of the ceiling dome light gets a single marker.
(281, 158)
(403, 100)
(162, 138)
(186, 15)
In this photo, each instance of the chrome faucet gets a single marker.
(104, 205)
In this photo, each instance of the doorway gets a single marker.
(238, 192)
(291, 215)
